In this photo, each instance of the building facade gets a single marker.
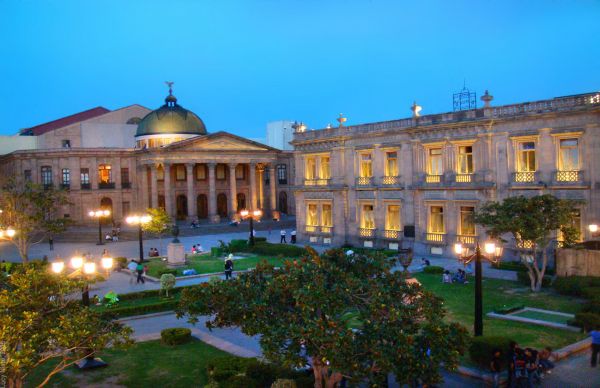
(280, 134)
(415, 182)
(130, 159)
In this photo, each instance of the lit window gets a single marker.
(311, 168)
(366, 166)
(568, 157)
(325, 172)
(391, 164)
(526, 157)
(465, 159)
(392, 217)
(367, 218)
(467, 226)
(104, 173)
(326, 219)
(436, 219)
(312, 217)
(221, 171)
(201, 172)
(85, 176)
(240, 172)
(66, 176)
(434, 163)
(180, 173)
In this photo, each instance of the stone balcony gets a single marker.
(466, 239)
(317, 182)
(365, 181)
(435, 238)
(366, 232)
(568, 178)
(391, 234)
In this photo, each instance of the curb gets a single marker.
(144, 316)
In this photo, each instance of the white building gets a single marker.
(279, 134)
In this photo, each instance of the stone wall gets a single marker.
(577, 262)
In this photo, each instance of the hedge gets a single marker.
(433, 269)
(127, 311)
(121, 262)
(171, 271)
(268, 249)
(175, 336)
(481, 348)
(237, 246)
(592, 306)
(587, 321)
(592, 292)
(574, 285)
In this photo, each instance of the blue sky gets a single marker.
(240, 64)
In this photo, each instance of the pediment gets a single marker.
(219, 142)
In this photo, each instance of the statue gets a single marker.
(175, 232)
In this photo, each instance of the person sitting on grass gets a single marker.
(531, 362)
(460, 277)
(193, 249)
(544, 360)
(446, 277)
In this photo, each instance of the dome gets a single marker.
(169, 119)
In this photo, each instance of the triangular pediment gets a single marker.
(220, 141)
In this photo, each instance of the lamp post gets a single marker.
(84, 270)
(99, 214)
(492, 253)
(139, 221)
(251, 214)
(593, 228)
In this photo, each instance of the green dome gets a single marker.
(171, 119)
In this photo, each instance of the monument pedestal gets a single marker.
(175, 254)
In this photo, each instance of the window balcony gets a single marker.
(392, 234)
(524, 177)
(466, 239)
(126, 185)
(464, 178)
(48, 186)
(433, 178)
(390, 180)
(568, 176)
(365, 232)
(316, 182)
(435, 237)
(327, 229)
(106, 185)
(311, 228)
(86, 186)
(364, 181)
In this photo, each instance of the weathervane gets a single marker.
(170, 85)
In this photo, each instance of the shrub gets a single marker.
(433, 269)
(237, 246)
(216, 252)
(510, 266)
(175, 335)
(587, 321)
(121, 262)
(128, 311)
(212, 384)
(574, 285)
(284, 383)
(260, 239)
(234, 364)
(165, 271)
(481, 348)
(593, 306)
(268, 249)
(262, 373)
(240, 381)
(592, 292)
(167, 282)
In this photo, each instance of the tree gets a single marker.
(346, 316)
(159, 223)
(39, 323)
(33, 212)
(532, 222)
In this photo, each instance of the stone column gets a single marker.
(154, 186)
(273, 194)
(212, 193)
(167, 189)
(253, 186)
(144, 187)
(191, 208)
(232, 192)
(261, 186)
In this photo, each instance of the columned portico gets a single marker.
(191, 203)
(273, 195)
(232, 192)
(167, 189)
(261, 184)
(153, 186)
(253, 185)
(212, 193)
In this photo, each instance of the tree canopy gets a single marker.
(533, 223)
(40, 323)
(32, 211)
(345, 315)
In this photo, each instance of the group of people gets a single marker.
(459, 277)
(138, 271)
(113, 235)
(153, 252)
(283, 234)
(525, 366)
(195, 224)
(197, 249)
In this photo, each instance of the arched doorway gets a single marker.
(222, 205)
(106, 204)
(241, 201)
(283, 204)
(182, 210)
(202, 206)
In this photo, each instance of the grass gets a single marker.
(145, 364)
(459, 302)
(210, 264)
(542, 316)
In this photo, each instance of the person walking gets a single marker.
(595, 334)
(228, 268)
(132, 267)
(293, 236)
(282, 240)
(139, 268)
(496, 367)
(51, 243)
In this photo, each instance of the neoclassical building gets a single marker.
(415, 182)
(132, 158)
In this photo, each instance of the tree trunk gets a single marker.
(321, 372)
(15, 382)
(23, 249)
(542, 272)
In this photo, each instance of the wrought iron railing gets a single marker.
(524, 177)
(106, 185)
(86, 186)
(435, 237)
(433, 178)
(466, 239)
(567, 176)
(365, 232)
(464, 178)
(392, 234)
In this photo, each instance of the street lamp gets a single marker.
(99, 214)
(139, 221)
(593, 228)
(491, 253)
(251, 214)
(7, 233)
(84, 270)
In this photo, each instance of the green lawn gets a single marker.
(542, 316)
(459, 301)
(209, 264)
(145, 364)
